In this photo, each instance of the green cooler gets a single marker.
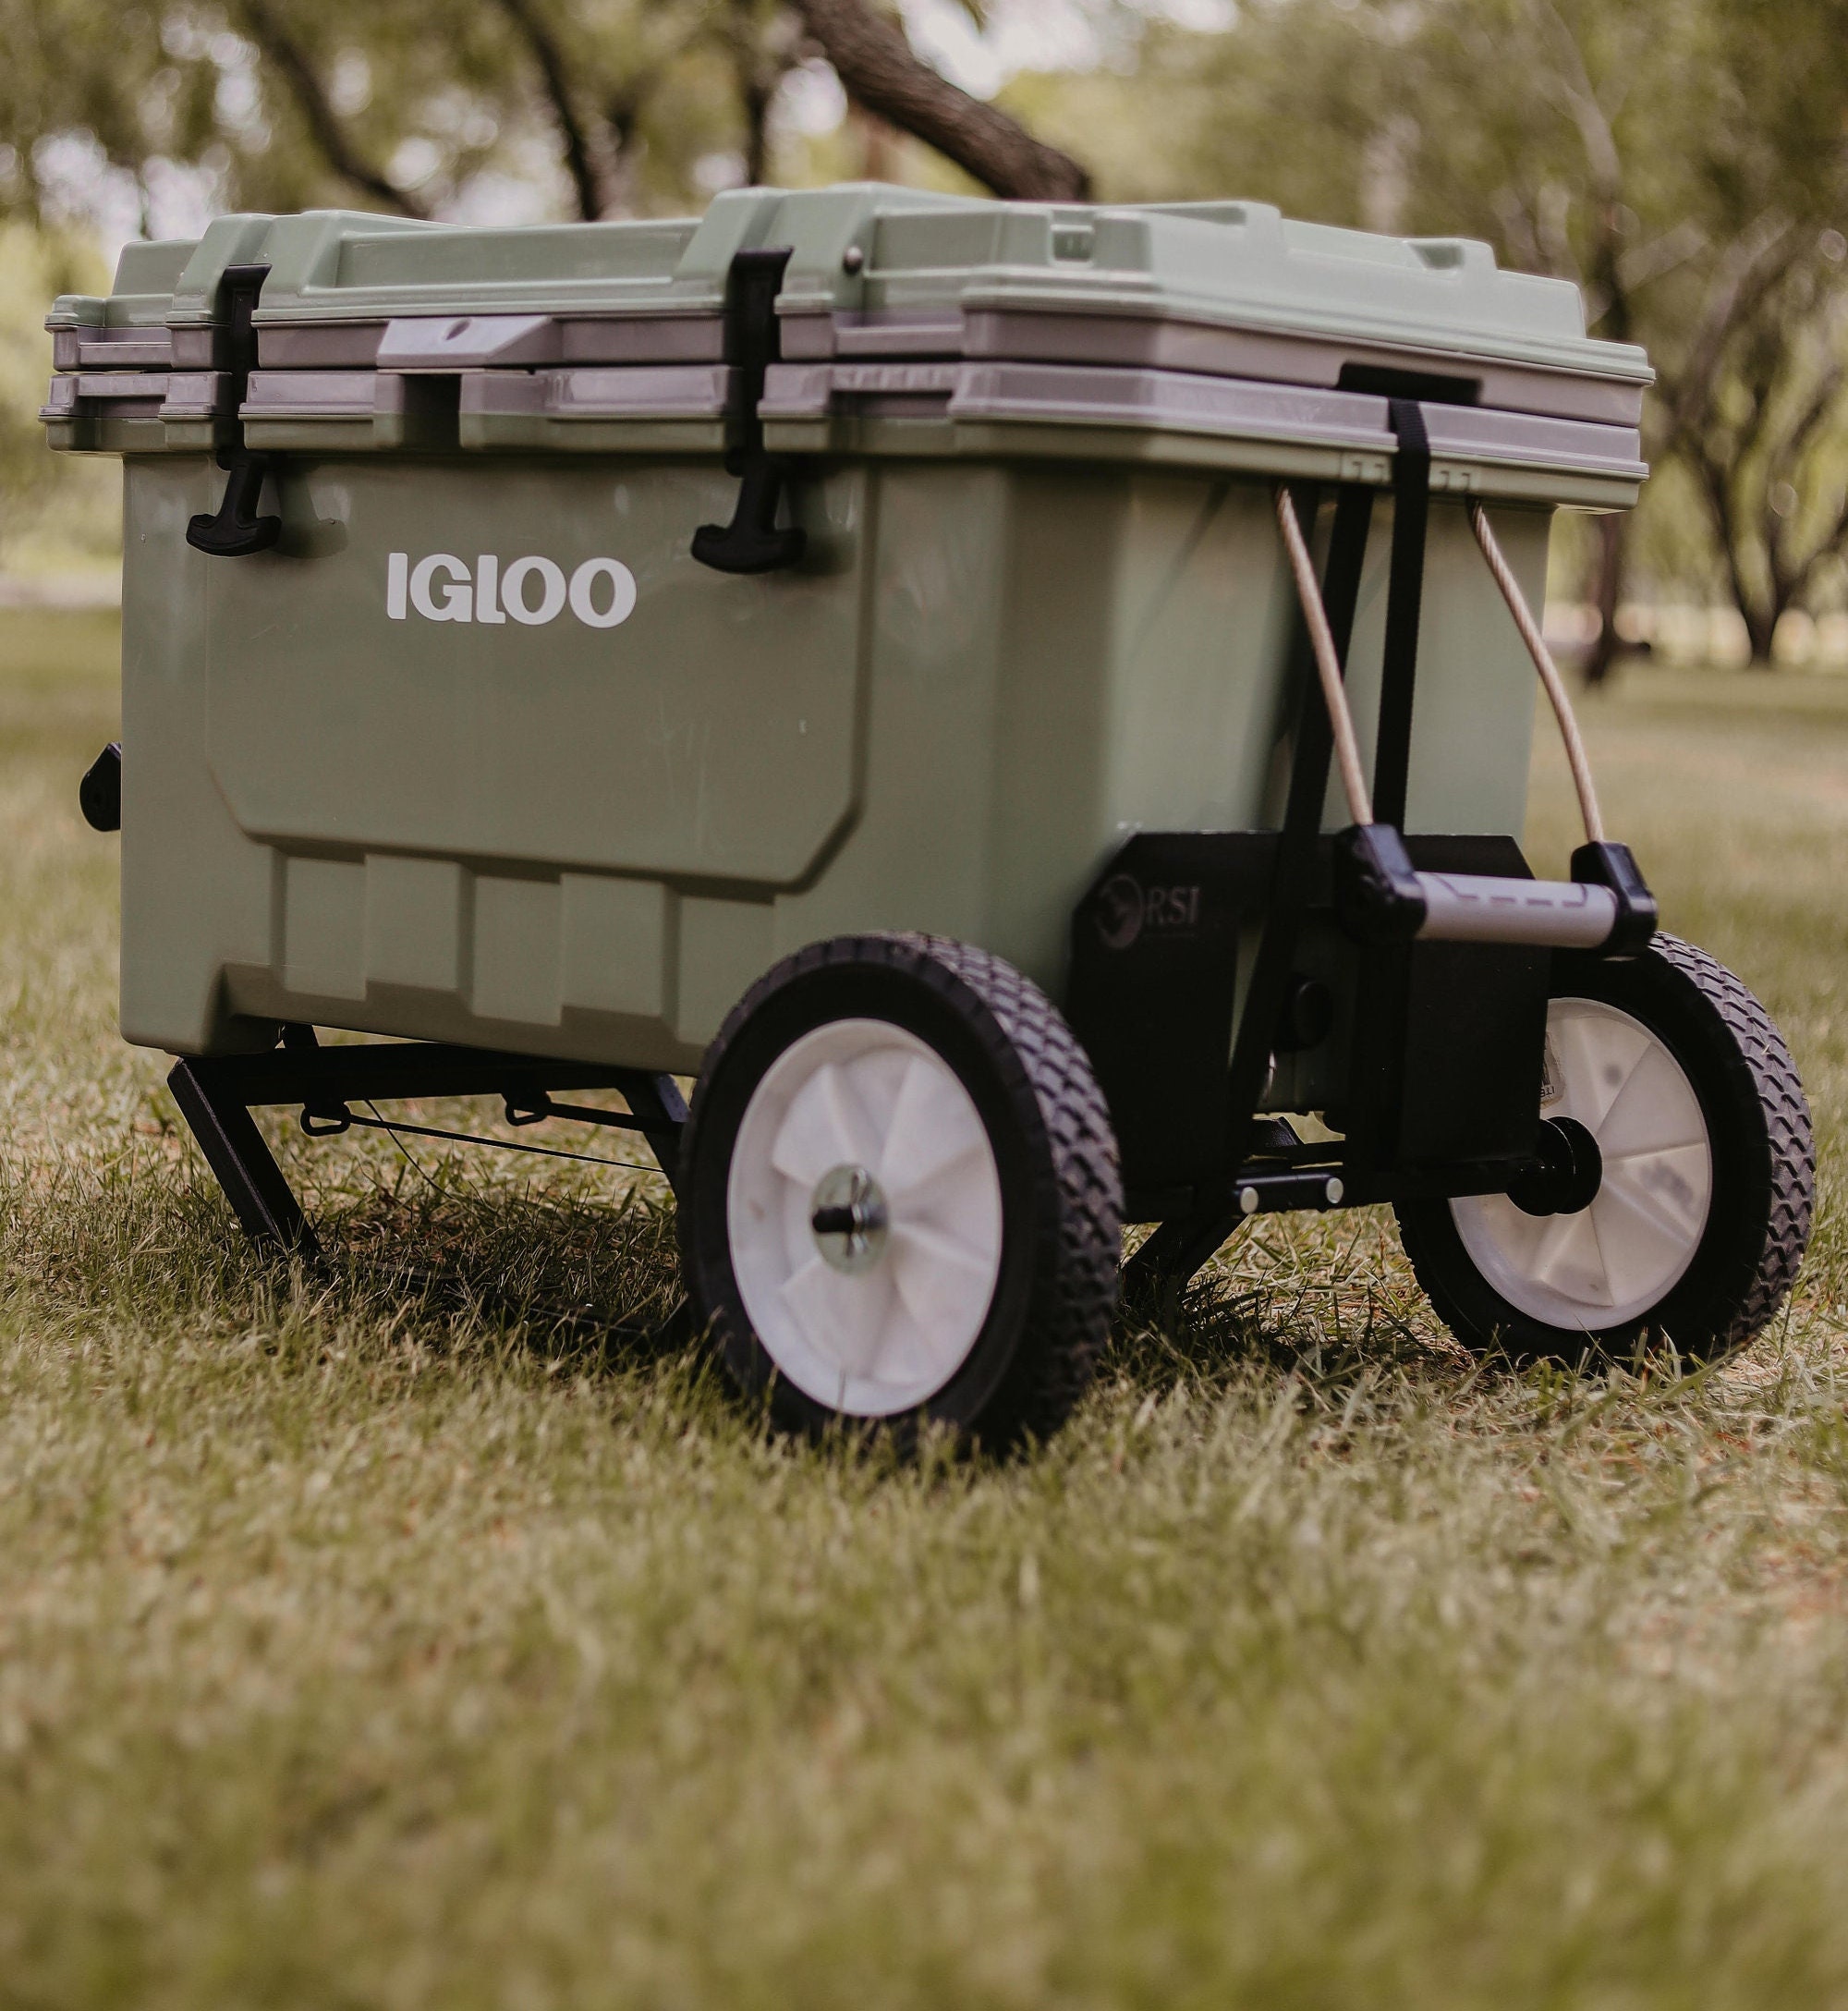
(536, 640)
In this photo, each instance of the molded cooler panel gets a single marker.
(1060, 657)
(710, 735)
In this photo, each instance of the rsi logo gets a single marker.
(535, 591)
(1125, 908)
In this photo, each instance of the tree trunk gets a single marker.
(1761, 632)
(757, 81)
(879, 145)
(555, 73)
(1607, 591)
(877, 67)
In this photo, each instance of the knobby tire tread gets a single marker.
(1793, 1143)
(1047, 1074)
(1753, 1278)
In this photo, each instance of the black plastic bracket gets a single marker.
(1377, 895)
(1605, 864)
(752, 541)
(216, 1094)
(237, 529)
(1151, 987)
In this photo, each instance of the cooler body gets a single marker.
(480, 750)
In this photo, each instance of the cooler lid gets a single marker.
(907, 321)
(1222, 289)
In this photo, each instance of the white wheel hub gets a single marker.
(1612, 1261)
(863, 1209)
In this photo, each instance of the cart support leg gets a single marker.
(234, 1149)
(656, 1099)
(1176, 1250)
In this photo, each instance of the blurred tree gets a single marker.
(1682, 161)
(33, 266)
(584, 108)
(616, 104)
(623, 105)
(1757, 411)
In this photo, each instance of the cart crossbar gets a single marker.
(1544, 914)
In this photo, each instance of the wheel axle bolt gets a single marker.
(849, 1219)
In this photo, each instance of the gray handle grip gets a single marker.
(1548, 914)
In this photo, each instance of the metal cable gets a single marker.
(1554, 685)
(1328, 663)
(390, 1129)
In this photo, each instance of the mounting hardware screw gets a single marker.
(852, 259)
(1247, 1201)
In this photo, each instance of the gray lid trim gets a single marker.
(665, 391)
(1378, 328)
(120, 384)
(1043, 393)
(672, 391)
(322, 394)
(194, 395)
(1206, 349)
(112, 348)
(654, 338)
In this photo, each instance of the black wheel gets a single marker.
(899, 1195)
(1682, 1174)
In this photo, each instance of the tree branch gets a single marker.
(280, 50)
(1751, 266)
(1716, 487)
(1661, 255)
(1823, 398)
(759, 68)
(877, 67)
(593, 199)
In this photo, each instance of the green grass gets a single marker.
(370, 1645)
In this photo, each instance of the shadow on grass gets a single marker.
(594, 1284)
(1326, 1331)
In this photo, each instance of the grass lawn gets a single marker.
(369, 1646)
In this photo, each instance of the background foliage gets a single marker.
(1685, 161)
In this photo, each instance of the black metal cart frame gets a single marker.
(216, 1094)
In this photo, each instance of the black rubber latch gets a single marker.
(1377, 895)
(99, 795)
(237, 529)
(751, 542)
(1605, 864)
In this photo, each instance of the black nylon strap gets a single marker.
(1405, 592)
